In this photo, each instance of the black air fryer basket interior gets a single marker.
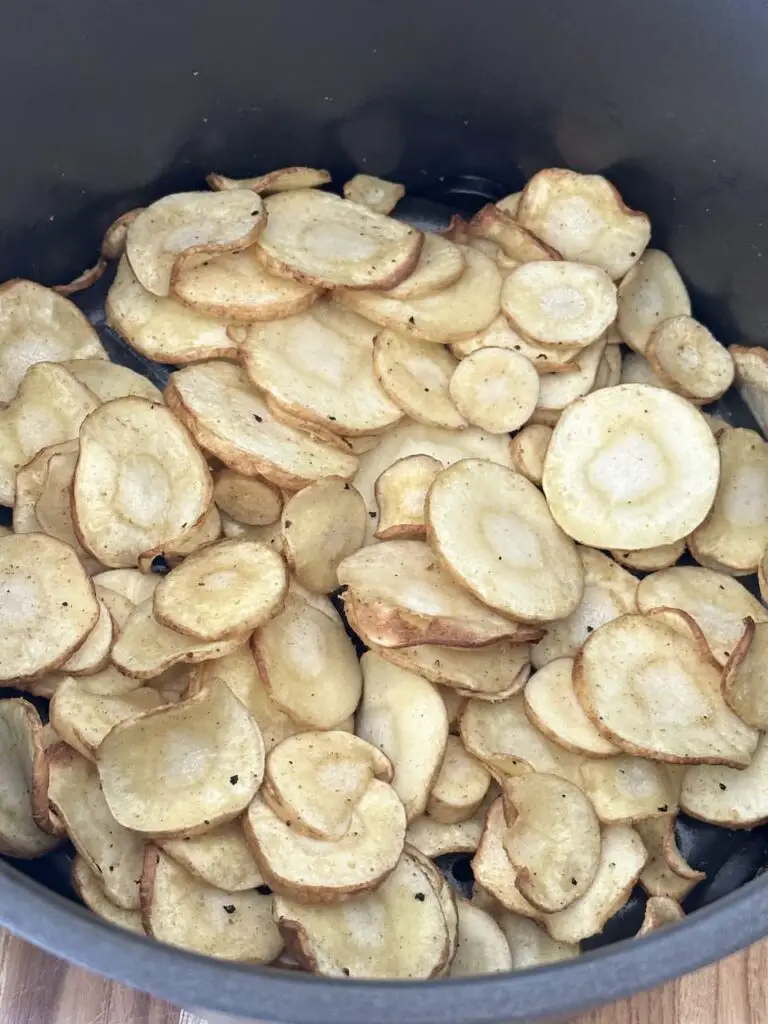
(108, 106)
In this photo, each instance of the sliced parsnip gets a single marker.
(313, 429)
(111, 380)
(494, 871)
(162, 328)
(455, 312)
(459, 787)
(663, 556)
(23, 783)
(660, 912)
(745, 675)
(173, 551)
(248, 499)
(441, 264)
(400, 597)
(377, 194)
(517, 559)
(515, 241)
(177, 226)
(404, 716)
(530, 945)
(83, 718)
(226, 416)
(320, 239)
(410, 938)
(321, 526)
(321, 371)
(88, 887)
(499, 334)
(751, 373)
(416, 375)
(434, 839)
(609, 368)
(686, 357)
(625, 790)
(483, 947)
(454, 702)
(207, 751)
(551, 704)
(584, 218)
(93, 653)
(109, 849)
(559, 303)
(494, 672)
(496, 389)
(635, 369)
(622, 857)
(651, 292)
(735, 533)
(717, 603)
(49, 606)
(400, 493)
(319, 871)
(528, 449)
(220, 858)
(184, 911)
(107, 682)
(136, 587)
(726, 797)
(285, 179)
(666, 873)
(37, 325)
(654, 693)
(140, 480)
(609, 591)
(558, 390)
(631, 467)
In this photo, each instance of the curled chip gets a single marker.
(178, 226)
(416, 375)
(688, 359)
(552, 706)
(400, 492)
(654, 692)
(377, 194)
(460, 786)
(285, 179)
(666, 872)
(222, 743)
(631, 467)
(660, 912)
(584, 218)
(483, 947)
(517, 559)
(24, 787)
(140, 480)
(93, 653)
(113, 242)
(88, 887)
(626, 790)
(494, 871)
(434, 839)
(519, 245)
(323, 240)
(36, 326)
(651, 292)
(441, 264)
(175, 549)
(220, 858)
(745, 675)
(751, 371)
(496, 389)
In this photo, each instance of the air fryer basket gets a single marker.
(107, 106)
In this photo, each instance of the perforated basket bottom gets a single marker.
(728, 857)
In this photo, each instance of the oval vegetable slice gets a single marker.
(220, 858)
(687, 358)
(726, 797)
(552, 706)
(625, 790)
(528, 449)
(651, 292)
(88, 887)
(440, 264)
(416, 375)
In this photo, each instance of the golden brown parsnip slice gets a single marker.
(496, 389)
(663, 556)
(483, 947)
(247, 499)
(88, 887)
(493, 672)
(552, 706)
(459, 787)
(83, 718)
(745, 675)
(441, 264)
(625, 790)
(415, 375)
(726, 797)
(24, 785)
(494, 871)
(377, 194)
(651, 292)
(220, 858)
(285, 179)
(660, 912)
(686, 357)
(400, 492)
(530, 945)
(666, 873)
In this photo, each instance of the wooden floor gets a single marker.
(37, 989)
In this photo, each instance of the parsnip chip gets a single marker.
(455, 312)
(494, 871)
(320, 239)
(751, 372)
(660, 912)
(663, 556)
(246, 498)
(88, 887)
(83, 718)
(315, 431)
(726, 797)
(459, 787)
(319, 871)
(559, 303)
(518, 243)
(584, 218)
(528, 449)
(717, 603)
(530, 945)
(499, 334)
(666, 873)
(441, 264)
(482, 948)
(686, 357)
(113, 852)
(410, 937)
(178, 226)
(553, 842)
(404, 716)
(36, 326)
(558, 390)
(136, 587)
(434, 839)
(24, 786)
(454, 701)
(609, 368)
(609, 591)
(745, 675)
(111, 380)
(314, 781)
(286, 179)
(517, 559)
(226, 416)
(625, 790)
(416, 375)
(735, 533)
(108, 681)
(377, 194)
(236, 287)
(622, 857)
(84, 280)
(653, 692)
(400, 597)
(183, 911)
(400, 494)
(93, 653)
(506, 741)
(161, 328)
(113, 242)
(651, 292)
(207, 751)
(551, 704)
(49, 606)
(48, 408)
(173, 551)
(221, 858)
(635, 369)
(631, 467)
(496, 389)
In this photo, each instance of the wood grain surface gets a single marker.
(38, 989)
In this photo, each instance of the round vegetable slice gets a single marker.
(631, 467)
(246, 498)
(459, 787)
(530, 945)
(320, 239)
(651, 292)
(285, 179)
(24, 785)
(220, 858)
(687, 358)
(559, 303)
(496, 389)
(494, 871)
(400, 492)
(528, 449)
(499, 334)
(660, 912)
(441, 264)
(483, 947)
(416, 375)
(653, 692)
(88, 887)
(194, 750)
(185, 223)
(552, 706)
(517, 559)
(377, 194)
(625, 790)
(745, 676)
(726, 797)
(666, 873)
